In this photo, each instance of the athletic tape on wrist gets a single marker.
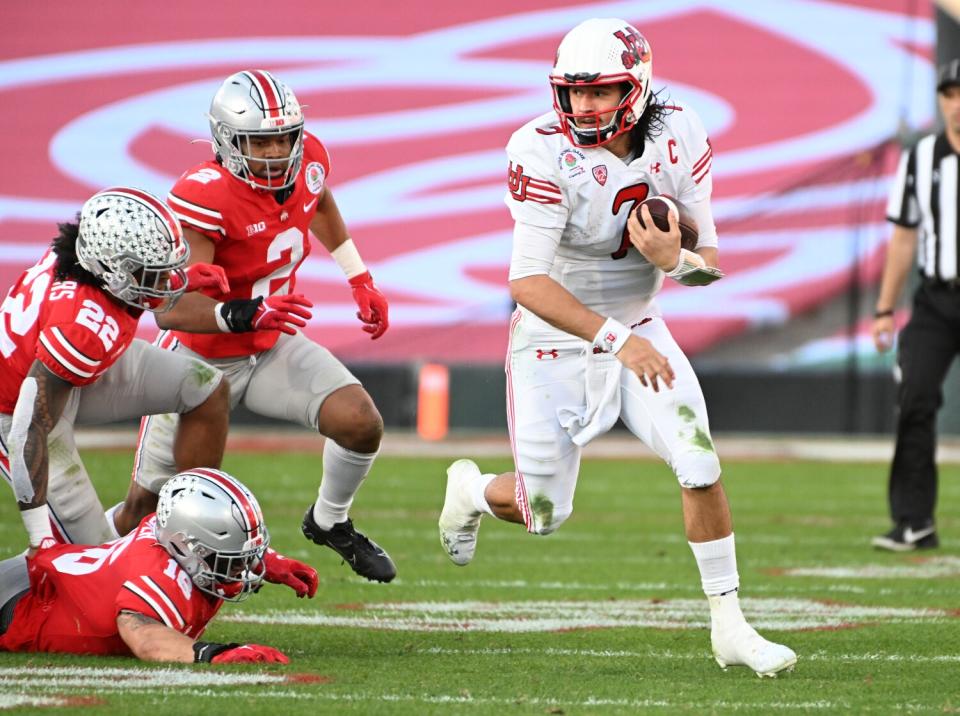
(348, 259)
(37, 522)
(611, 336)
(689, 261)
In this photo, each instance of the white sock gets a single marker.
(343, 471)
(111, 525)
(717, 561)
(477, 489)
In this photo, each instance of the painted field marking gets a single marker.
(124, 679)
(545, 616)
(933, 568)
(687, 656)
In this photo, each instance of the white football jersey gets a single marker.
(583, 196)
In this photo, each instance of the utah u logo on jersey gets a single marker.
(523, 187)
(637, 48)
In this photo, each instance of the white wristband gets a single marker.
(348, 259)
(611, 336)
(37, 522)
(221, 324)
(689, 261)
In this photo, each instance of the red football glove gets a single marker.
(251, 654)
(282, 313)
(300, 577)
(203, 276)
(373, 305)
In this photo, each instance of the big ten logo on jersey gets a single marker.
(256, 228)
(637, 48)
(91, 315)
(204, 176)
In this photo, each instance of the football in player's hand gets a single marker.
(659, 206)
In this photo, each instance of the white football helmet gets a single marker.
(255, 103)
(133, 242)
(602, 52)
(213, 527)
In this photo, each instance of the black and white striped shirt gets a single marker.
(925, 196)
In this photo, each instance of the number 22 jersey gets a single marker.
(259, 243)
(76, 331)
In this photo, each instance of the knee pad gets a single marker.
(547, 468)
(697, 469)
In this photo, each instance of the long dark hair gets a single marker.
(68, 268)
(651, 121)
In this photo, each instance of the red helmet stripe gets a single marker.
(240, 496)
(169, 218)
(272, 100)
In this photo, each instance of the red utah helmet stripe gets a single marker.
(154, 203)
(269, 92)
(242, 498)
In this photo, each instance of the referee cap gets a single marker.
(948, 75)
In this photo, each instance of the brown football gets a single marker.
(659, 206)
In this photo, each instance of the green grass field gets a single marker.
(604, 617)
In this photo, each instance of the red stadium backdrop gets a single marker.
(415, 102)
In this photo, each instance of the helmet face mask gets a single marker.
(602, 52)
(134, 244)
(213, 527)
(253, 107)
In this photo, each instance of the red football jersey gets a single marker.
(76, 331)
(77, 591)
(259, 243)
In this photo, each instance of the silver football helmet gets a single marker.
(253, 106)
(213, 527)
(133, 242)
(602, 52)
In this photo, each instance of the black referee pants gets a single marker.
(928, 345)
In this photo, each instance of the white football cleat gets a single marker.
(742, 646)
(460, 520)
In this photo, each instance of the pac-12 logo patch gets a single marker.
(314, 175)
(600, 174)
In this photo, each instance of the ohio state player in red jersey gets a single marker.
(152, 593)
(250, 211)
(69, 357)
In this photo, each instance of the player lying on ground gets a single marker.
(152, 593)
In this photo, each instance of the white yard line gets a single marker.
(551, 615)
(488, 444)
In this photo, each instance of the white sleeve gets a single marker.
(534, 195)
(534, 248)
(706, 228)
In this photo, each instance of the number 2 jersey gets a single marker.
(76, 331)
(77, 592)
(579, 200)
(259, 243)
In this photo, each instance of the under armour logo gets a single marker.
(552, 353)
(655, 168)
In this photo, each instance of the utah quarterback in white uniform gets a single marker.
(587, 343)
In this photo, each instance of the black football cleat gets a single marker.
(364, 556)
(905, 538)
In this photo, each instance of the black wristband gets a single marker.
(238, 314)
(883, 314)
(204, 651)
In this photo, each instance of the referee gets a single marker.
(924, 206)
